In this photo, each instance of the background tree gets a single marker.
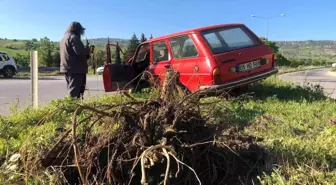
(271, 44)
(56, 58)
(131, 48)
(31, 45)
(46, 52)
(143, 38)
(281, 61)
(22, 60)
(100, 57)
(151, 36)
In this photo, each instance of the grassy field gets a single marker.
(44, 74)
(13, 47)
(297, 127)
(308, 50)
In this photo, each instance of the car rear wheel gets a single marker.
(8, 71)
(244, 89)
(239, 90)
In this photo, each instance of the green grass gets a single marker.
(46, 74)
(298, 125)
(27, 74)
(13, 47)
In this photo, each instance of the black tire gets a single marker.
(240, 90)
(244, 89)
(8, 71)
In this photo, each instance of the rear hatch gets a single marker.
(238, 52)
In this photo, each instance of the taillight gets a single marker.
(264, 61)
(216, 76)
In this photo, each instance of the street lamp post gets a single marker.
(268, 18)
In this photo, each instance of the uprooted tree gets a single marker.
(163, 139)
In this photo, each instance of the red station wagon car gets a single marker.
(216, 57)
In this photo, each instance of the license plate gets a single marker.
(249, 66)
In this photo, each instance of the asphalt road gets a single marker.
(18, 90)
(323, 77)
(50, 88)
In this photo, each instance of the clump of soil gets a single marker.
(165, 140)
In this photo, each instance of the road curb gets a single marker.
(303, 70)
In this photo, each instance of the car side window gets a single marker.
(5, 57)
(143, 53)
(183, 47)
(160, 52)
(213, 40)
(1, 60)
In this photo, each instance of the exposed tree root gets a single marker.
(160, 141)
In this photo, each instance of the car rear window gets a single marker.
(228, 39)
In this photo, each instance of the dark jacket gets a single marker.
(73, 55)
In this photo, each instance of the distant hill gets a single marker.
(14, 47)
(101, 42)
(309, 50)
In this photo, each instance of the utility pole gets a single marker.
(34, 77)
(267, 21)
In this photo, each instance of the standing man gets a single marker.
(73, 62)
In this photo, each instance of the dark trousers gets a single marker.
(76, 84)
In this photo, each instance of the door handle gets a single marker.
(229, 60)
(167, 66)
(196, 69)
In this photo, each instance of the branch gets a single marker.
(75, 144)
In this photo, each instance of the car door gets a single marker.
(188, 61)
(124, 76)
(117, 77)
(160, 59)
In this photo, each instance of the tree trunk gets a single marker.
(171, 88)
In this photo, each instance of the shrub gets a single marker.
(22, 60)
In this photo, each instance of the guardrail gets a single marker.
(41, 69)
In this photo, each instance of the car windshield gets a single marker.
(228, 39)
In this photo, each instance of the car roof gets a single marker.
(193, 31)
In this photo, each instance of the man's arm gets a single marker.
(78, 46)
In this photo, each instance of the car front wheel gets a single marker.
(8, 71)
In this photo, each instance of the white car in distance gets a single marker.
(8, 67)
(100, 70)
(333, 65)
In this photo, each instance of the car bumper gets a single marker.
(240, 82)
